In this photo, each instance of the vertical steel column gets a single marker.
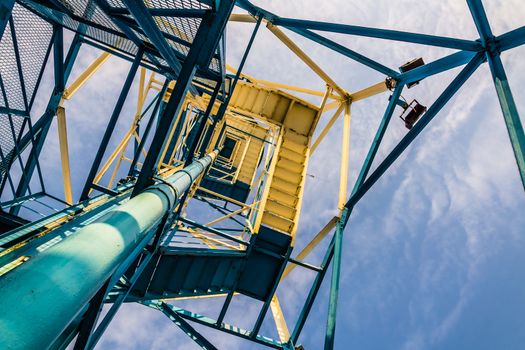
(334, 286)
(206, 40)
(341, 223)
(510, 112)
(111, 125)
(501, 83)
(305, 311)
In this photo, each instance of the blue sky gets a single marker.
(432, 254)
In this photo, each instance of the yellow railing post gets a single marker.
(64, 154)
(345, 144)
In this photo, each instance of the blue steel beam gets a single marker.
(312, 294)
(111, 126)
(438, 66)
(266, 305)
(140, 12)
(501, 83)
(128, 32)
(147, 130)
(42, 126)
(341, 224)
(344, 51)
(224, 104)
(395, 35)
(206, 321)
(165, 12)
(440, 102)
(511, 39)
(14, 153)
(26, 105)
(204, 45)
(334, 283)
(185, 327)
(510, 112)
(379, 136)
(481, 21)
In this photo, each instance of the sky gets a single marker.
(432, 253)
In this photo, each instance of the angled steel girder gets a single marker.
(416, 38)
(416, 130)
(111, 126)
(183, 325)
(144, 18)
(204, 45)
(501, 83)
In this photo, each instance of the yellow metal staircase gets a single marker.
(297, 119)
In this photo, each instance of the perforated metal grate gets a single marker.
(33, 36)
(106, 30)
(110, 36)
(10, 129)
(10, 81)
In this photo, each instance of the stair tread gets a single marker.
(283, 197)
(280, 209)
(293, 178)
(277, 222)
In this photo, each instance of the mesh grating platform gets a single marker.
(19, 76)
(179, 32)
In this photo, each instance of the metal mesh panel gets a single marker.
(33, 36)
(183, 28)
(78, 7)
(110, 34)
(166, 4)
(9, 72)
(8, 127)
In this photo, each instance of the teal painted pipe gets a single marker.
(41, 297)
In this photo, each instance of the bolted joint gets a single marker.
(492, 46)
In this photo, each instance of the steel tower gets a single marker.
(203, 132)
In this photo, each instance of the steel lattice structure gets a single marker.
(203, 131)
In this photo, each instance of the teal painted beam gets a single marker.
(42, 296)
(511, 39)
(510, 112)
(334, 286)
(186, 327)
(416, 38)
(440, 102)
(209, 322)
(506, 100)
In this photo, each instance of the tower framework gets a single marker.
(203, 131)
